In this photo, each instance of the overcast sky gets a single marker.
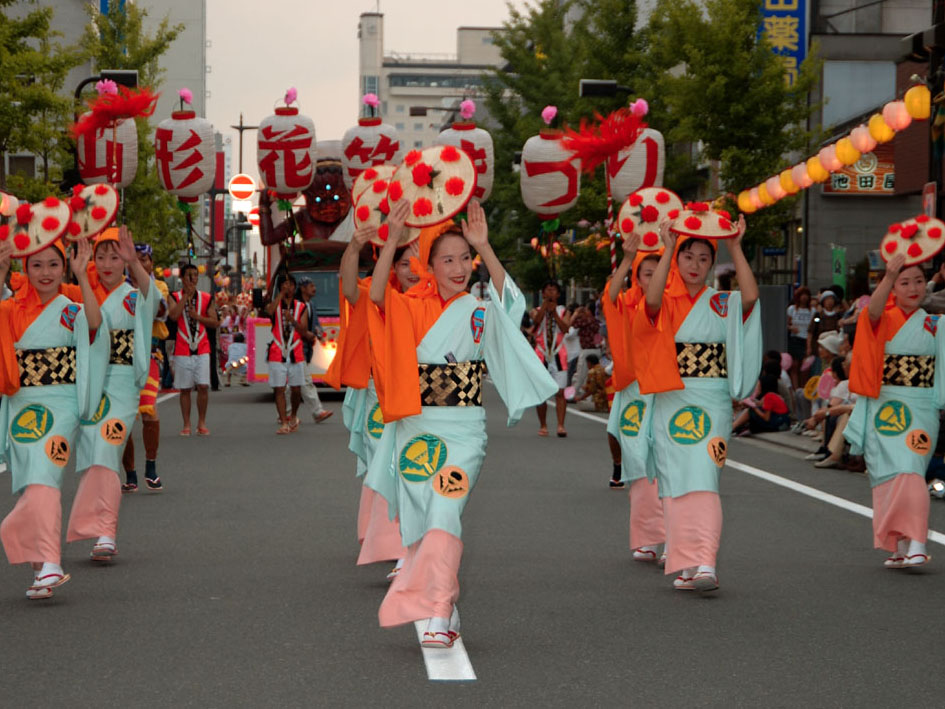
(259, 49)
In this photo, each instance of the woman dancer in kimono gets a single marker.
(895, 420)
(696, 349)
(52, 363)
(632, 412)
(129, 313)
(378, 529)
(430, 346)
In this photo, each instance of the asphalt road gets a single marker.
(237, 587)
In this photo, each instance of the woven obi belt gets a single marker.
(458, 384)
(123, 347)
(909, 370)
(55, 365)
(701, 359)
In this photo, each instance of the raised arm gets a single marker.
(476, 232)
(126, 249)
(657, 284)
(80, 262)
(630, 245)
(348, 271)
(746, 278)
(881, 294)
(385, 260)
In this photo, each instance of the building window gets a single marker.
(487, 39)
(369, 85)
(384, 108)
(399, 126)
(22, 165)
(451, 81)
(418, 126)
(399, 108)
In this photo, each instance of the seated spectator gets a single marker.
(767, 414)
(596, 384)
(829, 345)
(835, 416)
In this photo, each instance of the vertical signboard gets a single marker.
(784, 25)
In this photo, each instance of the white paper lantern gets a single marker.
(550, 175)
(285, 150)
(109, 155)
(371, 142)
(477, 144)
(641, 165)
(184, 152)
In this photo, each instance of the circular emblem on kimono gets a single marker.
(892, 418)
(422, 457)
(103, 406)
(57, 450)
(719, 303)
(632, 418)
(477, 323)
(919, 442)
(375, 422)
(451, 482)
(67, 319)
(689, 425)
(31, 424)
(130, 302)
(113, 431)
(718, 450)
(931, 323)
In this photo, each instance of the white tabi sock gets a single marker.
(916, 548)
(706, 570)
(399, 565)
(105, 540)
(438, 625)
(49, 568)
(902, 547)
(454, 620)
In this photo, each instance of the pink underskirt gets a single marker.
(95, 507)
(693, 530)
(364, 511)
(900, 510)
(646, 514)
(427, 585)
(382, 537)
(31, 533)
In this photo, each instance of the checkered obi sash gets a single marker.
(55, 365)
(909, 370)
(123, 347)
(458, 384)
(701, 359)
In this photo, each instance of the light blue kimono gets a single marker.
(40, 422)
(362, 417)
(630, 421)
(102, 435)
(430, 462)
(897, 431)
(691, 426)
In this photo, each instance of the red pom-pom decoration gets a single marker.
(914, 250)
(893, 228)
(421, 175)
(422, 207)
(412, 157)
(649, 213)
(21, 241)
(626, 226)
(725, 213)
(383, 231)
(693, 222)
(673, 213)
(934, 233)
(379, 186)
(455, 185)
(662, 197)
(890, 246)
(922, 218)
(384, 206)
(99, 213)
(77, 203)
(909, 231)
(100, 190)
(4, 232)
(449, 154)
(74, 228)
(725, 223)
(50, 224)
(395, 191)
(24, 213)
(698, 206)
(51, 202)
(650, 239)
(370, 173)
(635, 200)
(76, 189)
(363, 213)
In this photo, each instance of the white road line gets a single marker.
(166, 397)
(840, 502)
(445, 665)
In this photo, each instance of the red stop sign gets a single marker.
(253, 216)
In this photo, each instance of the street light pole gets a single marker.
(241, 127)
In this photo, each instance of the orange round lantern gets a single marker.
(766, 198)
(744, 202)
(880, 130)
(816, 171)
(787, 182)
(861, 139)
(896, 115)
(918, 101)
(846, 153)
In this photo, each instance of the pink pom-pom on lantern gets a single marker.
(639, 108)
(548, 114)
(467, 109)
(291, 95)
(106, 86)
(186, 95)
(371, 100)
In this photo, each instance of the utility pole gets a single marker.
(241, 127)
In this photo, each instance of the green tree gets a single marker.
(33, 114)
(713, 81)
(117, 40)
